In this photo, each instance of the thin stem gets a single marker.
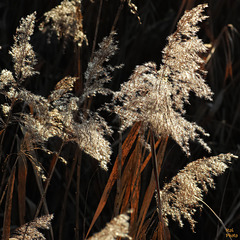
(155, 169)
(96, 29)
(86, 201)
(63, 210)
(119, 174)
(222, 200)
(79, 160)
(156, 174)
(219, 219)
(117, 16)
(48, 182)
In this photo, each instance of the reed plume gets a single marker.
(31, 231)
(157, 97)
(22, 52)
(154, 98)
(66, 21)
(182, 195)
(59, 115)
(117, 227)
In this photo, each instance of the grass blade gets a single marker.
(8, 206)
(127, 145)
(22, 180)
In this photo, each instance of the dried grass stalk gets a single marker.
(157, 97)
(30, 230)
(180, 198)
(66, 20)
(22, 52)
(117, 227)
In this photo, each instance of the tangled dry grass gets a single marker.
(49, 137)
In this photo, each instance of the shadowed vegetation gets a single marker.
(117, 117)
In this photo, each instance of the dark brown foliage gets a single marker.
(54, 125)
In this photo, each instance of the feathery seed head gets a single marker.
(66, 20)
(22, 52)
(180, 197)
(117, 227)
(30, 230)
(157, 97)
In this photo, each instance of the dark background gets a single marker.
(140, 43)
